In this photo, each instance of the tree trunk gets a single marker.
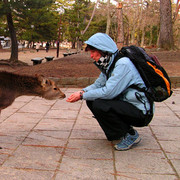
(14, 44)
(143, 25)
(142, 37)
(59, 35)
(108, 18)
(73, 45)
(166, 32)
(132, 41)
(127, 37)
(134, 26)
(151, 34)
(176, 11)
(120, 36)
(83, 32)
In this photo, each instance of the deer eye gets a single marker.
(55, 88)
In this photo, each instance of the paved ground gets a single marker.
(56, 140)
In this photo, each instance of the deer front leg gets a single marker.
(7, 97)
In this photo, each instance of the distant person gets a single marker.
(23, 44)
(116, 105)
(47, 46)
(37, 46)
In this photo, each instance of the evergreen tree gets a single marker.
(26, 13)
(74, 20)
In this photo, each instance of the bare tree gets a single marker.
(120, 36)
(108, 18)
(133, 20)
(166, 32)
(176, 25)
(175, 15)
(83, 32)
(145, 6)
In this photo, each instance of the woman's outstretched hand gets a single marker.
(76, 96)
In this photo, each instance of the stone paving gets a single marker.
(56, 140)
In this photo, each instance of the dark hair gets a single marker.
(89, 47)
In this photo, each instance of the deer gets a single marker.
(13, 85)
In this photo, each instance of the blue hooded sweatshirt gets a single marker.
(122, 76)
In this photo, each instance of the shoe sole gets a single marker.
(124, 149)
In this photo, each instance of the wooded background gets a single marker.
(154, 23)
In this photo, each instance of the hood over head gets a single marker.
(103, 42)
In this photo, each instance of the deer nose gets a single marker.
(62, 96)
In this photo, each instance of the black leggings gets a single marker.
(117, 117)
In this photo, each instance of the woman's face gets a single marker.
(95, 54)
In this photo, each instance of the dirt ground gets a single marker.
(76, 65)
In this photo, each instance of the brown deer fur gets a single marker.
(13, 85)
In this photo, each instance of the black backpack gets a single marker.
(158, 84)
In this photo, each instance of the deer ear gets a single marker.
(39, 75)
(42, 79)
